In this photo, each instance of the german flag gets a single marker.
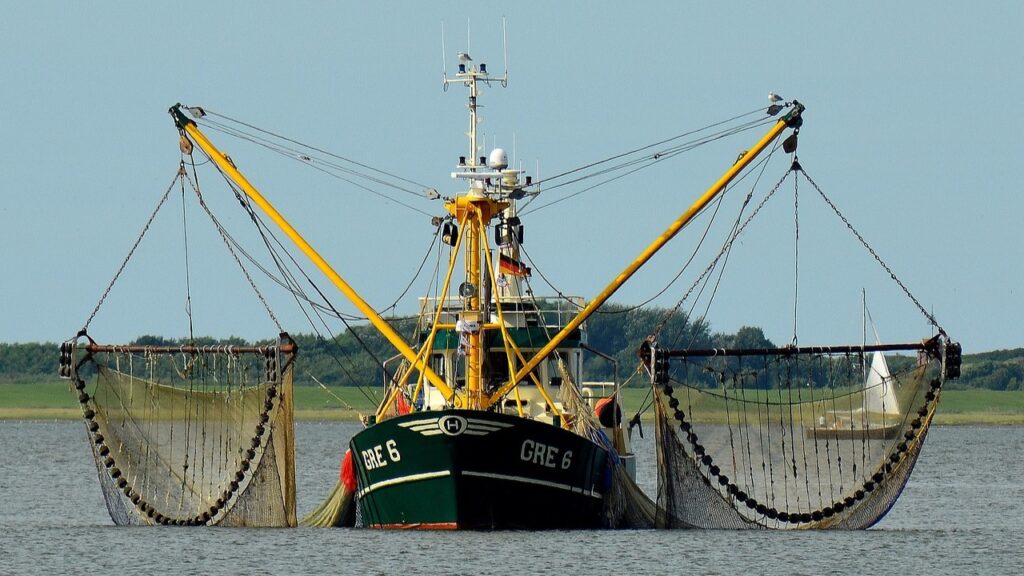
(510, 265)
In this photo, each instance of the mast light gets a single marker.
(449, 233)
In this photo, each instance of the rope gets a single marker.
(796, 252)
(645, 162)
(728, 252)
(292, 285)
(762, 163)
(725, 248)
(223, 235)
(314, 148)
(308, 161)
(647, 147)
(188, 283)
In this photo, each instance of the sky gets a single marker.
(912, 127)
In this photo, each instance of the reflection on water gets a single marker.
(961, 513)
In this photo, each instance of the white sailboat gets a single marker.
(879, 391)
(877, 417)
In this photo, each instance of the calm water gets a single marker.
(961, 513)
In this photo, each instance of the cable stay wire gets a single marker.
(670, 152)
(316, 149)
(230, 241)
(759, 167)
(299, 155)
(796, 169)
(645, 161)
(726, 251)
(320, 165)
(329, 309)
(291, 284)
(645, 147)
(762, 164)
(701, 281)
(267, 234)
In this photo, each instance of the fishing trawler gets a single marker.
(487, 421)
(484, 424)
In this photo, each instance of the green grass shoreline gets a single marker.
(54, 401)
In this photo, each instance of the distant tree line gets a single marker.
(354, 357)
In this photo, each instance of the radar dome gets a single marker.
(498, 159)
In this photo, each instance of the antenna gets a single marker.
(444, 62)
(504, 44)
(471, 76)
(469, 29)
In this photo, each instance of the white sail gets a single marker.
(879, 394)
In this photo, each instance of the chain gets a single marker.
(227, 242)
(900, 454)
(928, 315)
(181, 172)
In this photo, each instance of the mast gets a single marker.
(473, 211)
(492, 191)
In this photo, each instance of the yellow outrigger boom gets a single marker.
(187, 126)
(792, 119)
(473, 213)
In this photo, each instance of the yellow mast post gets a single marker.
(793, 118)
(474, 372)
(187, 126)
(473, 211)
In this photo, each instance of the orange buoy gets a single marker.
(348, 473)
(608, 412)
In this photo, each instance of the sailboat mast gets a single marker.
(864, 328)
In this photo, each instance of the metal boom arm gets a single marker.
(793, 118)
(187, 126)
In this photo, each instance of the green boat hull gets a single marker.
(461, 469)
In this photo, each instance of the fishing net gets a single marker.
(625, 504)
(191, 435)
(797, 440)
(337, 510)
